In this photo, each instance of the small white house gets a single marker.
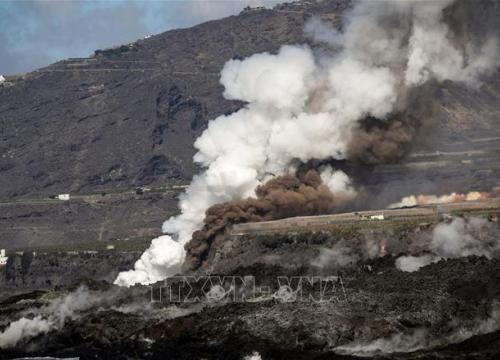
(63, 197)
(110, 247)
(2, 79)
(377, 217)
(3, 258)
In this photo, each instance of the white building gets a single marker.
(64, 197)
(2, 79)
(3, 258)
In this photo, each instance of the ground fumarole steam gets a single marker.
(303, 106)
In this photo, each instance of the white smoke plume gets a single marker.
(338, 182)
(337, 257)
(413, 263)
(52, 316)
(254, 356)
(348, 253)
(24, 328)
(460, 238)
(301, 106)
(414, 200)
(423, 339)
(396, 343)
(432, 55)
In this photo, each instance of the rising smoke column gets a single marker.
(51, 317)
(413, 200)
(459, 238)
(303, 106)
(307, 193)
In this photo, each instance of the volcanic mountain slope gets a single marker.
(129, 116)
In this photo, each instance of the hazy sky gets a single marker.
(34, 33)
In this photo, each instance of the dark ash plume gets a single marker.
(281, 197)
(365, 103)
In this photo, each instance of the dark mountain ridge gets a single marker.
(128, 116)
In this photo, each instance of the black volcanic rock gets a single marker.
(380, 306)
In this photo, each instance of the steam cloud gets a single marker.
(280, 197)
(349, 253)
(454, 239)
(51, 317)
(22, 329)
(421, 338)
(254, 356)
(58, 311)
(460, 238)
(413, 200)
(337, 257)
(304, 105)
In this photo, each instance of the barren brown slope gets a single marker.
(130, 115)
